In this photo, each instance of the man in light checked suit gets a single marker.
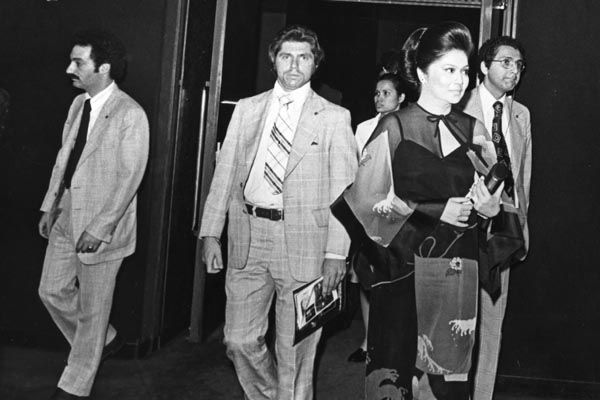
(288, 154)
(501, 64)
(89, 211)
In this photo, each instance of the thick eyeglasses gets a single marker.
(508, 63)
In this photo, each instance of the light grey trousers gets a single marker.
(250, 293)
(79, 299)
(491, 316)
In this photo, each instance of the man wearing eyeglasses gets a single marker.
(509, 125)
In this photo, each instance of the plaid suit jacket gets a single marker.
(520, 135)
(322, 163)
(107, 176)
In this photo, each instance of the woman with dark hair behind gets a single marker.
(423, 214)
(388, 96)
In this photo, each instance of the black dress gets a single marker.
(424, 280)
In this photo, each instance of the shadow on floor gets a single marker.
(187, 371)
(181, 371)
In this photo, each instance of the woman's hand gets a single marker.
(485, 203)
(457, 211)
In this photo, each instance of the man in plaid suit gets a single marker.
(89, 211)
(288, 154)
(502, 61)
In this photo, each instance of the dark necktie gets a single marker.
(79, 144)
(501, 147)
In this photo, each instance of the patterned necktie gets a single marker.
(280, 145)
(79, 144)
(501, 147)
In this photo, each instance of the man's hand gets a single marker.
(87, 243)
(333, 273)
(211, 254)
(45, 224)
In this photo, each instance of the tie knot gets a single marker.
(498, 107)
(87, 106)
(285, 100)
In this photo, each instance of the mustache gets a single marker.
(72, 76)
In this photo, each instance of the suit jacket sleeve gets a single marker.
(219, 195)
(131, 158)
(343, 165)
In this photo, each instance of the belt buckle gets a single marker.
(252, 209)
(276, 214)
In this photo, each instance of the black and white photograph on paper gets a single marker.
(195, 68)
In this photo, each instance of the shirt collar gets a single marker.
(487, 99)
(99, 99)
(298, 96)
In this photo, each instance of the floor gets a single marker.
(182, 371)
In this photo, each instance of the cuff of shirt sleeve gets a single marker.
(334, 256)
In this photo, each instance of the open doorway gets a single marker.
(354, 35)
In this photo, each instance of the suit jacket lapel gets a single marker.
(100, 125)
(74, 127)
(475, 109)
(517, 141)
(254, 128)
(306, 131)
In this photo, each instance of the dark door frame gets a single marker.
(206, 158)
(161, 167)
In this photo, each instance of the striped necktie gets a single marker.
(280, 145)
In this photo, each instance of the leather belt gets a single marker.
(269, 213)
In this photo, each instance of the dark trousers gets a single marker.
(392, 340)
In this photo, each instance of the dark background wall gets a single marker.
(553, 317)
(355, 35)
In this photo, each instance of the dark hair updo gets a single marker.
(426, 45)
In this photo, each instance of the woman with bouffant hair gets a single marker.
(423, 215)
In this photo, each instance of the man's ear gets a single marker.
(483, 68)
(104, 68)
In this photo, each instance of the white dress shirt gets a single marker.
(96, 104)
(257, 190)
(487, 105)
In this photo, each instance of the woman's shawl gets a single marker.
(373, 186)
